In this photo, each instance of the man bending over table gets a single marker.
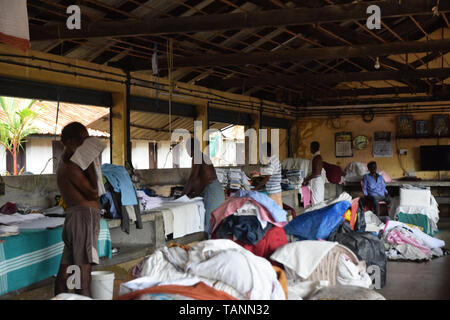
(203, 182)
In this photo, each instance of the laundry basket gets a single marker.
(327, 269)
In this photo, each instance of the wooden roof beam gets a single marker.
(306, 54)
(233, 21)
(441, 73)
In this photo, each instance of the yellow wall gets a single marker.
(322, 131)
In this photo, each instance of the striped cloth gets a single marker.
(273, 168)
(34, 255)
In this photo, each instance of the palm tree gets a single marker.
(17, 125)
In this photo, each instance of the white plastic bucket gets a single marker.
(102, 285)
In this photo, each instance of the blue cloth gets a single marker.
(278, 214)
(107, 201)
(374, 187)
(247, 229)
(35, 255)
(318, 224)
(120, 180)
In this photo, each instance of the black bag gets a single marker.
(360, 224)
(365, 245)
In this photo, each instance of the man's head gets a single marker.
(314, 147)
(372, 166)
(73, 135)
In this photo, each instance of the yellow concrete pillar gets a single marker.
(119, 136)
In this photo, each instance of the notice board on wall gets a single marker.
(343, 144)
(382, 144)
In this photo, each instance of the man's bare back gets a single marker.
(317, 165)
(201, 175)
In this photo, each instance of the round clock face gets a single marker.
(360, 142)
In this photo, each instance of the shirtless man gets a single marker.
(203, 183)
(81, 228)
(315, 179)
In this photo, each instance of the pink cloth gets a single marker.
(306, 196)
(385, 176)
(230, 206)
(397, 237)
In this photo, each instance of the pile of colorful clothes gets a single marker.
(251, 219)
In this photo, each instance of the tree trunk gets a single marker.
(15, 158)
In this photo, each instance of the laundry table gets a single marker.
(35, 255)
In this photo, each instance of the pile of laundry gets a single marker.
(211, 269)
(233, 178)
(251, 219)
(416, 206)
(327, 221)
(404, 241)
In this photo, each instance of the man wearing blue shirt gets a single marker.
(374, 187)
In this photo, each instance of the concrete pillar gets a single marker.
(201, 115)
(119, 121)
(251, 140)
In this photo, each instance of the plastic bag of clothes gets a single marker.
(365, 245)
(360, 224)
(318, 224)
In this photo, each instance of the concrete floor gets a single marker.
(405, 280)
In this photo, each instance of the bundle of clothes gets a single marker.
(233, 178)
(416, 206)
(251, 219)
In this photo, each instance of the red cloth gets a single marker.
(8, 208)
(334, 172)
(274, 238)
(199, 291)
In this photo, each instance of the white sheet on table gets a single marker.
(17, 217)
(43, 223)
(182, 218)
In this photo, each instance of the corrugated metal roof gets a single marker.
(153, 126)
(46, 121)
